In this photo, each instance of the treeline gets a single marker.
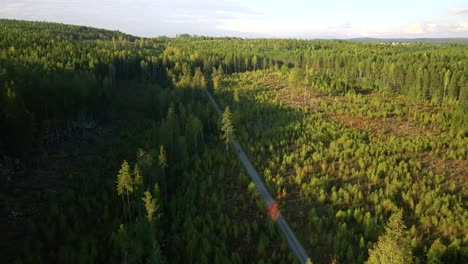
(422, 71)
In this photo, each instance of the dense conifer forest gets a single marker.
(110, 151)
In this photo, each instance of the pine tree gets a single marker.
(393, 247)
(446, 82)
(227, 127)
(138, 185)
(163, 165)
(125, 186)
(435, 252)
(236, 96)
(137, 179)
(150, 205)
(296, 77)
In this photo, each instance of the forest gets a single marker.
(111, 152)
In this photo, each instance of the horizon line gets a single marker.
(176, 35)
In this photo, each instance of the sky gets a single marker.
(255, 18)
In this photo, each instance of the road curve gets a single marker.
(288, 234)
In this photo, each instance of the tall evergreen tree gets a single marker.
(137, 179)
(227, 127)
(393, 247)
(150, 205)
(435, 252)
(163, 165)
(125, 186)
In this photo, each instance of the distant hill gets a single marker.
(412, 40)
(60, 30)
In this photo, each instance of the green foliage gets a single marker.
(227, 128)
(162, 158)
(435, 252)
(393, 246)
(137, 178)
(296, 77)
(124, 179)
(150, 205)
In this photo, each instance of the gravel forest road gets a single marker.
(288, 234)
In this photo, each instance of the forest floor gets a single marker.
(49, 170)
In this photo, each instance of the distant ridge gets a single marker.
(412, 40)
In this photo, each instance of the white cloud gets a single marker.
(425, 29)
(459, 27)
(459, 10)
(226, 18)
(454, 27)
(373, 31)
(432, 27)
(294, 29)
(265, 27)
(414, 29)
